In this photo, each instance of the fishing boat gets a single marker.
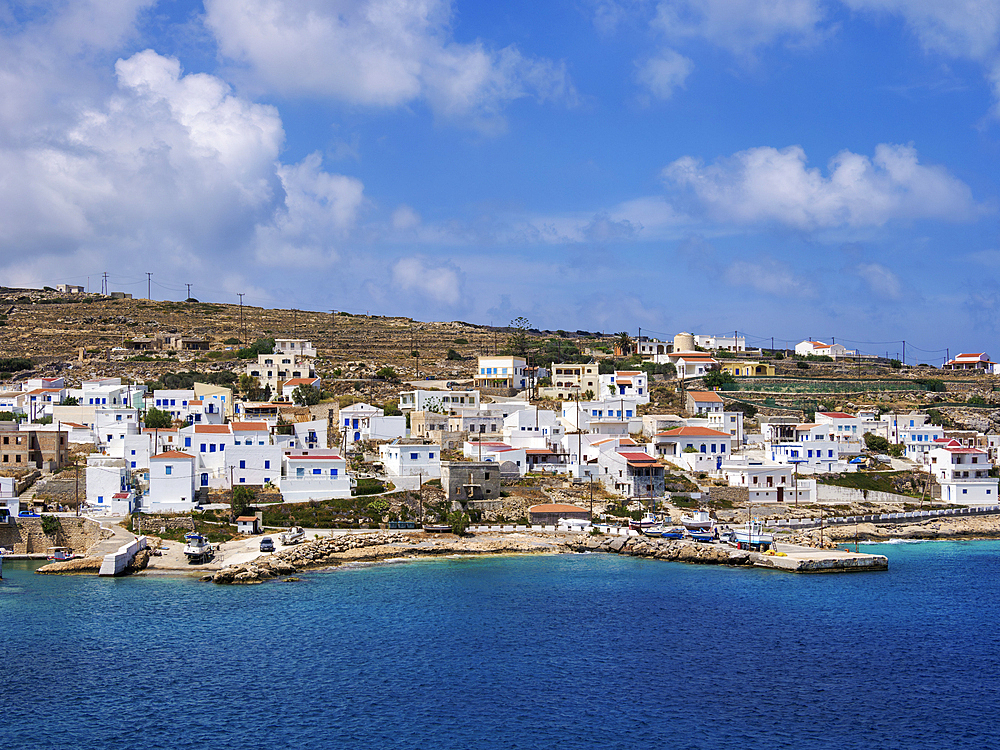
(699, 520)
(751, 536)
(674, 532)
(58, 554)
(701, 535)
(645, 522)
(656, 531)
(573, 524)
(294, 535)
(437, 528)
(197, 548)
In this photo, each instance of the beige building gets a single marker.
(572, 381)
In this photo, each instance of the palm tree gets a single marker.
(623, 344)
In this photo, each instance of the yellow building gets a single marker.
(744, 368)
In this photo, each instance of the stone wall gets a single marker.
(154, 523)
(737, 496)
(79, 534)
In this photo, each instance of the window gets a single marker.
(204, 448)
(133, 464)
(187, 444)
(169, 470)
(317, 471)
(300, 472)
(333, 472)
(243, 464)
(211, 447)
(100, 498)
(133, 453)
(267, 464)
(413, 456)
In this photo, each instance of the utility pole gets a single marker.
(242, 329)
(149, 285)
(333, 329)
(189, 290)
(104, 284)
(904, 352)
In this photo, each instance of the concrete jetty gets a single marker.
(787, 557)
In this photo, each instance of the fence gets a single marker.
(799, 523)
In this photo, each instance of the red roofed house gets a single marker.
(289, 386)
(819, 349)
(974, 361)
(695, 448)
(691, 364)
(171, 483)
(703, 402)
(630, 473)
(964, 475)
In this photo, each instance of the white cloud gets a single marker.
(960, 28)
(765, 184)
(404, 218)
(769, 276)
(741, 26)
(664, 73)
(169, 167)
(378, 53)
(442, 283)
(880, 280)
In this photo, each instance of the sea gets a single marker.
(547, 651)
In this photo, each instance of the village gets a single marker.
(624, 429)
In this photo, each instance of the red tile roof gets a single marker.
(707, 396)
(174, 454)
(693, 432)
(249, 426)
(637, 457)
(556, 508)
(216, 429)
(837, 414)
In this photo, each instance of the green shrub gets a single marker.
(51, 525)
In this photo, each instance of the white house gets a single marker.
(366, 422)
(171, 483)
(963, 474)
(255, 465)
(411, 460)
(441, 402)
(314, 475)
(767, 482)
(819, 349)
(971, 361)
(532, 428)
(697, 448)
(919, 441)
(732, 343)
(629, 383)
(271, 370)
(703, 402)
(298, 347)
(501, 372)
(289, 386)
(106, 477)
(691, 364)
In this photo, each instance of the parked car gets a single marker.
(267, 544)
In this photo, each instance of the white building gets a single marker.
(289, 386)
(732, 343)
(767, 483)
(106, 478)
(441, 402)
(963, 474)
(366, 422)
(250, 464)
(691, 364)
(696, 448)
(532, 428)
(314, 475)
(501, 372)
(171, 483)
(628, 383)
(919, 441)
(819, 349)
(411, 460)
(298, 347)
(271, 370)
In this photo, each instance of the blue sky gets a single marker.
(790, 168)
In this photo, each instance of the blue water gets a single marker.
(564, 651)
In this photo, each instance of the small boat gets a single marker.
(437, 528)
(644, 523)
(674, 532)
(700, 535)
(197, 548)
(58, 554)
(699, 520)
(573, 524)
(752, 536)
(294, 535)
(653, 530)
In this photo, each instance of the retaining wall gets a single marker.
(115, 563)
(26, 538)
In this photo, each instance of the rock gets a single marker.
(206, 579)
(81, 565)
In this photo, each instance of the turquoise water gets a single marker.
(516, 652)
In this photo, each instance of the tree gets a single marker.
(717, 378)
(517, 340)
(895, 364)
(387, 373)
(877, 443)
(242, 498)
(249, 387)
(157, 419)
(459, 522)
(623, 344)
(70, 401)
(454, 356)
(305, 395)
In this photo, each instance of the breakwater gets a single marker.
(790, 558)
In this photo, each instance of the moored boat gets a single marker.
(653, 530)
(437, 528)
(700, 520)
(644, 523)
(58, 554)
(674, 532)
(752, 536)
(701, 535)
(197, 548)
